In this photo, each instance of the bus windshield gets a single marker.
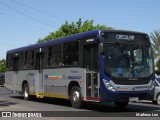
(128, 60)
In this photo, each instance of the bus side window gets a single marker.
(71, 53)
(25, 66)
(15, 63)
(30, 60)
(49, 57)
(54, 56)
(21, 60)
(9, 62)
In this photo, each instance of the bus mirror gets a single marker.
(101, 51)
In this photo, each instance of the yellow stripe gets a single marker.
(56, 95)
(32, 93)
(50, 95)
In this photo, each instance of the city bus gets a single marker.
(95, 66)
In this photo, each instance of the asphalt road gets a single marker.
(62, 109)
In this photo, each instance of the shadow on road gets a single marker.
(98, 107)
(6, 103)
(109, 107)
(54, 101)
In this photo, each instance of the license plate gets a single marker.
(133, 99)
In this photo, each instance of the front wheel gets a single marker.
(158, 99)
(26, 92)
(121, 104)
(75, 97)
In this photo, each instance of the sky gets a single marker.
(23, 22)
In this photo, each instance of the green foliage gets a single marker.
(2, 65)
(73, 28)
(158, 66)
(155, 36)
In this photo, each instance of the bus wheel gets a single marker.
(121, 104)
(158, 99)
(26, 92)
(75, 97)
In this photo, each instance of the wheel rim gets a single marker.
(76, 96)
(26, 92)
(158, 100)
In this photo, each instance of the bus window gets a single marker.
(21, 60)
(27, 60)
(9, 62)
(30, 60)
(15, 63)
(71, 53)
(54, 56)
(49, 57)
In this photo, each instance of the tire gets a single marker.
(26, 92)
(75, 97)
(121, 104)
(158, 99)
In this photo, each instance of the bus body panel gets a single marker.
(126, 92)
(56, 81)
(17, 80)
(9, 80)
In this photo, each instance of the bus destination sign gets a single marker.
(124, 37)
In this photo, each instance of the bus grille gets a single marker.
(130, 82)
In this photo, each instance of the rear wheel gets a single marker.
(75, 97)
(121, 104)
(158, 99)
(26, 92)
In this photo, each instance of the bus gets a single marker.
(95, 66)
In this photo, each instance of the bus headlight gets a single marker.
(152, 85)
(108, 85)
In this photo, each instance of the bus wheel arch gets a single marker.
(71, 84)
(23, 83)
(74, 93)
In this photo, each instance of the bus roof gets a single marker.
(67, 39)
(59, 40)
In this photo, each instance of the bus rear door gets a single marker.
(15, 73)
(39, 74)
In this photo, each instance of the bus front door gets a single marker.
(91, 65)
(39, 80)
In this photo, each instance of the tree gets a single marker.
(2, 65)
(155, 36)
(157, 70)
(73, 28)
